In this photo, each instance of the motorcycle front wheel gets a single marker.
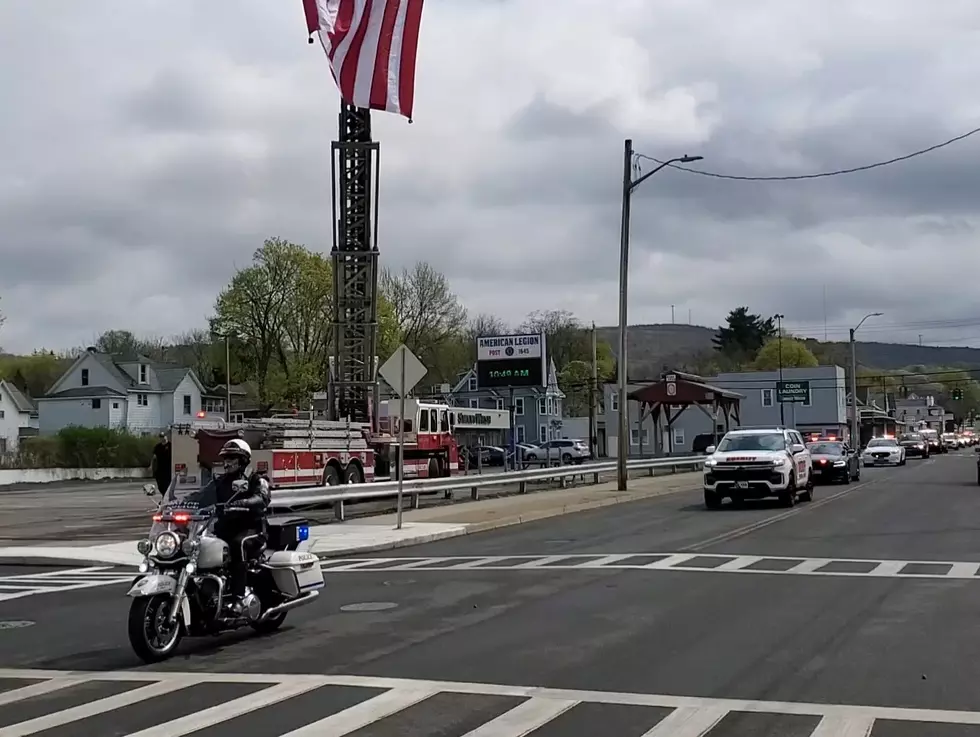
(153, 638)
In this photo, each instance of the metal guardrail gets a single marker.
(414, 489)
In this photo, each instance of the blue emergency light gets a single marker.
(302, 533)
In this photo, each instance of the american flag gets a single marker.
(372, 47)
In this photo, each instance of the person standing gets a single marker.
(161, 466)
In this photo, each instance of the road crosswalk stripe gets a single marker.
(686, 716)
(686, 562)
(71, 579)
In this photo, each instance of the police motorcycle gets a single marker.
(182, 589)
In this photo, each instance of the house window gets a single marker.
(2, 414)
(142, 400)
(678, 437)
(542, 406)
(187, 404)
(767, 400)
(474, 404)
(84, 377)
(143, 373)
(614, 402)
(472, 384)
(542, 433)
(115, 405)
(96, 404)
(500, 403)
(558, 408)
(635, 436)
(520, 434)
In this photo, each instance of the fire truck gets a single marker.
(310, 452)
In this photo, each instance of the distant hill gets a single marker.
(651, 347)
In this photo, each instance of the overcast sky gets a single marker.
(149, 146)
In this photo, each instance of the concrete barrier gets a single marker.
(9, 476)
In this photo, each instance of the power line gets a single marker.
(820, 175)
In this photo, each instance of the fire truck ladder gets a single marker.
(353, 388)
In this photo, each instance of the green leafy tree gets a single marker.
(34, 374)
(743, 335)
(788, 352)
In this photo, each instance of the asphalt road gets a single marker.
(113, 511)
(798, 615)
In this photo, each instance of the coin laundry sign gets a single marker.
(503, 347)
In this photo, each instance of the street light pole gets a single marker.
(629, 186)
(779, 337)
(855, 421)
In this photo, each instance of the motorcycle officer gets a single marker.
(246, 497)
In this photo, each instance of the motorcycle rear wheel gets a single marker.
(149, 635)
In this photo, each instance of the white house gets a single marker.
(134, 394)
(18, 417)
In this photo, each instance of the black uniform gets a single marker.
(162, 465)
(234, 526)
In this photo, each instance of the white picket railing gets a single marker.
(298, 498)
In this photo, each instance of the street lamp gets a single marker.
(629, 186)
(779, 337)
(855, 421)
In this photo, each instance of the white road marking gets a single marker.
(799, 566)
(688, 717)
(71, 579)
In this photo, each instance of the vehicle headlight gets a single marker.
(144, 547)
(778, 462)
(190, 546)
(166, 544)
(710, 463)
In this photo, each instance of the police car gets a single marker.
(758, 463)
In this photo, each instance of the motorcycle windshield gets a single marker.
(193, 500)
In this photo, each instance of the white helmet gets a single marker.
(236, 448)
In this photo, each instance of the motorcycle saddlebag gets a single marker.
(295, 573)
(286, 533)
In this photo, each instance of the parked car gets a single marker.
(951, 440)
(915, 445)
(565, 450)
(884, 452)
(833, 461)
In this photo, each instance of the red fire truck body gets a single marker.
(301, 452)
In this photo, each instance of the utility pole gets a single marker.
(629, 185)
(672, 314)
(227, 379)
(779, 338)
(855, 419)
(593, 396)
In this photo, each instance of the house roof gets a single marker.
(20, 400)
(84, 392)
(164, 377)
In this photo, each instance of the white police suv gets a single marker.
(758, 463)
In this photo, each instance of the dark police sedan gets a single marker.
(915, 445)
(833, 462)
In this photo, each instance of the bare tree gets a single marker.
(428, 313)
(567, 340)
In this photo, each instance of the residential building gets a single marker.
(131, 393)
(18, 417)
(921, 412)
(824, 412)
(537, 411)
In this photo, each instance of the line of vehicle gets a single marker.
(760, 524)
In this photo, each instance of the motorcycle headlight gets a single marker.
(190, 546)
(166, 544)
(144, 547)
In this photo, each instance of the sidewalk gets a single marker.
(418, 525)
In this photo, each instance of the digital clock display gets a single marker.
(512, 372)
